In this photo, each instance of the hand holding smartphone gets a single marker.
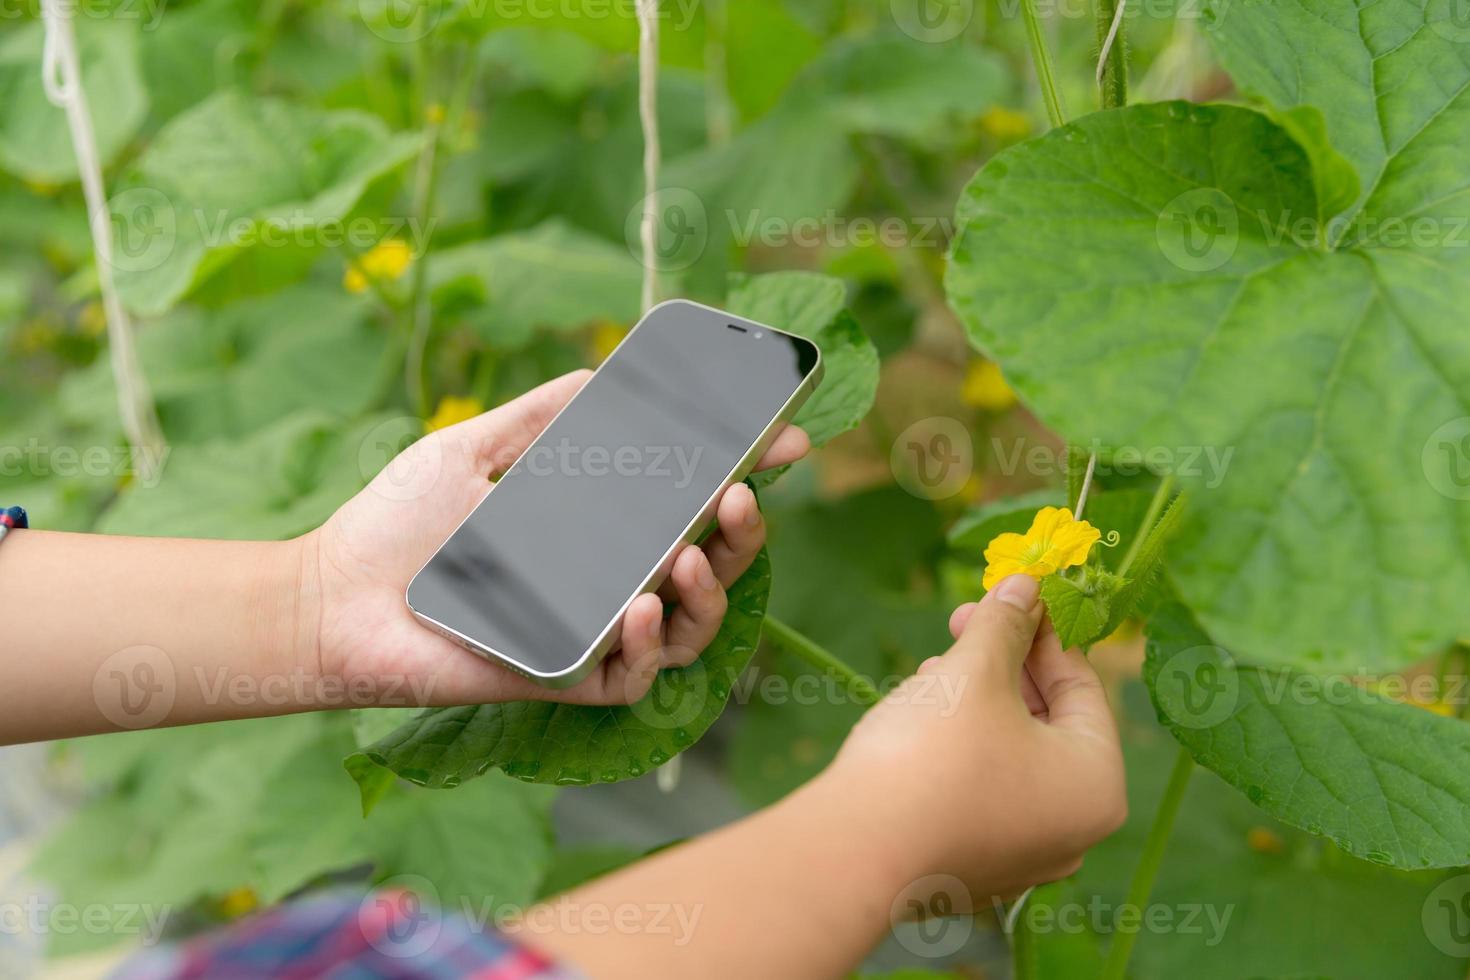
(592, 514)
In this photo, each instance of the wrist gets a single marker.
(295, 627)
(867, 818)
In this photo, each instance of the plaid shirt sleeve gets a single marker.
(387, 935)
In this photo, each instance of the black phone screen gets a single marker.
(570, 534)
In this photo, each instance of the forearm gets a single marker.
(802, 889)
(107, 633)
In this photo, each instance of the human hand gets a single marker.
(998, 762)
(362, 559)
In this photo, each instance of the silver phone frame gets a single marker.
(612, 632)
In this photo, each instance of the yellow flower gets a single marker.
(241, 901)
(606, 336)
(985, 387)
(1055, 541)
(434, 113)
(386, 260)
(1005, 125)
(92, 320)
(1263, 840)
(452, 410)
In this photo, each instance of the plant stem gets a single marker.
(1149, 862)
(1155, 508)
(799, 645)
(1112, 63)
(426, 184)
(1042, 59)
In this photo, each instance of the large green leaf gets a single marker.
(1392, 81)
(1132, 274)
(814, 306)
(547, 742)
(236, 175)
(35, 142)
(1386, 781)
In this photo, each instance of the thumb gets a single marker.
(498, 437)
(1000, 632)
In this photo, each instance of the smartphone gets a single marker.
(594, 512)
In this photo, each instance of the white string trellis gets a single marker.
(1107, 45)
(648, 115)
(62, 79)
(667, 774)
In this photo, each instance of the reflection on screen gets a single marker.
(572, 531)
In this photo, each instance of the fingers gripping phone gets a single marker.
(593, 513)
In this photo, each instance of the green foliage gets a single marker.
(814, 306)
(281, 481)
(1383, 780)
(549, 276)
(1275, 888)
(1080, 610)
(236, 172)
(197, 813)
(232, 371)
(875, 545)
(34, 140)
(798, 160)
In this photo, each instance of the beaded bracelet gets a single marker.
(12, 517)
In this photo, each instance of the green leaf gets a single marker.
(1366, 69)
(448, 839)
(1080, 611)
(1301, 390)
(546, 742)
(551, 276)
(562, 63)
(236, 175)
(1386, 781)
(813, 306)
(35, 141)
(582, 163)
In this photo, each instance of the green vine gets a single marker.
(803, 647)
(1045, 77)
(1149, 862)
